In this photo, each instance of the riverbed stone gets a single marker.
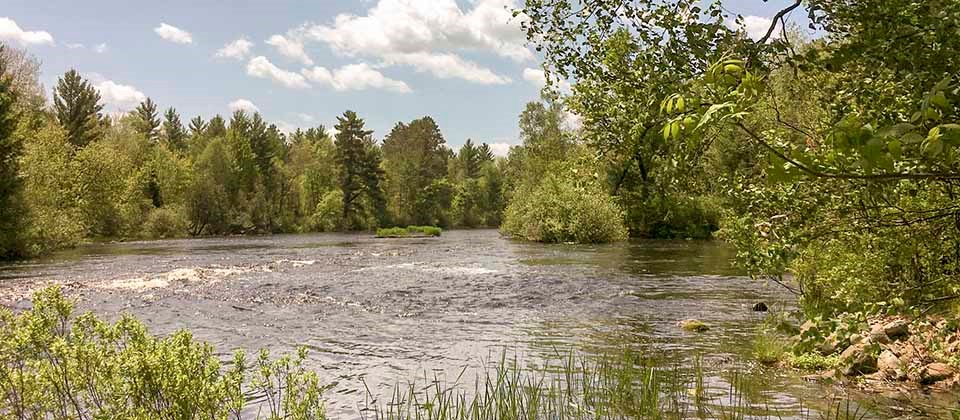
(857, 360)
(878, 334)
(896, 328)
(935, 372)
(888, 364)
(693, 325)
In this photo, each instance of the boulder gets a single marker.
(896, 328)
(829, 345)
(858, 360)
(693, 325)
(935, 372)
(878, 334)
(888, 364)
(760, 307)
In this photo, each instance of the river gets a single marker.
(388, 310)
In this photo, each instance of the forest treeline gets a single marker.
(75, 173)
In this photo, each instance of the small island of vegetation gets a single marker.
(409, 232)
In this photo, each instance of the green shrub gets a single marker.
(769, 347)
(165, 223)
(568, 205)
(813, 361)
(54, 365)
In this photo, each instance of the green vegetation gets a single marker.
(57, 365)
(72, 174)
(623, 385)
(400, 232)
(831, 162)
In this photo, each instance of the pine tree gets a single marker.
(148, 120)
(197, 126)
(78, 109)
(11, 186)
(216, 128)
(360, 172)
(173, 132)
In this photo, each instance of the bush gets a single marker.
(568, 205)
(54, 365)
(164, 223)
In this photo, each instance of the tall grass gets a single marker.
(578, 387)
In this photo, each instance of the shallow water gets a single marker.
(387, 310)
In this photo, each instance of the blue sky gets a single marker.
(303, 62)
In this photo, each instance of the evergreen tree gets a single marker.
(197, 126)
(484, 153)
(173, 132)
(77, 106)
(217, 127)
(360, 173)
(148, 119)
(11, 185)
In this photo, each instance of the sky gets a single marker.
(301, 63)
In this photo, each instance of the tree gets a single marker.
(853, 136)
(414, 159)
(77, 106)
(11, 185)
(148, 119)
(24, 69)
(358, 161)
(173, 132)
(197, 126)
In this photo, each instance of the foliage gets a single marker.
(144, 175)
(57, 365)
(414, 159)
(813, 361)
(147, 120)
(568, 205)
(833, 159)
(76, 103)
(360, 174)
(400, 232)
(11, 185)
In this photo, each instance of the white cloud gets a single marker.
(500, 149)
(243, 105)
(539, 78)
(307, 118)
(74, 46)
(410, 32)
(354, 77)
(291, 47)
(261, 67)
(286, 127)
(173, 34)
(755, 27)
(447, 66)
(100, 48)
(118, 96)
(10, 31)
(237, 50)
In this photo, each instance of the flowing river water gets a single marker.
(378, 312)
